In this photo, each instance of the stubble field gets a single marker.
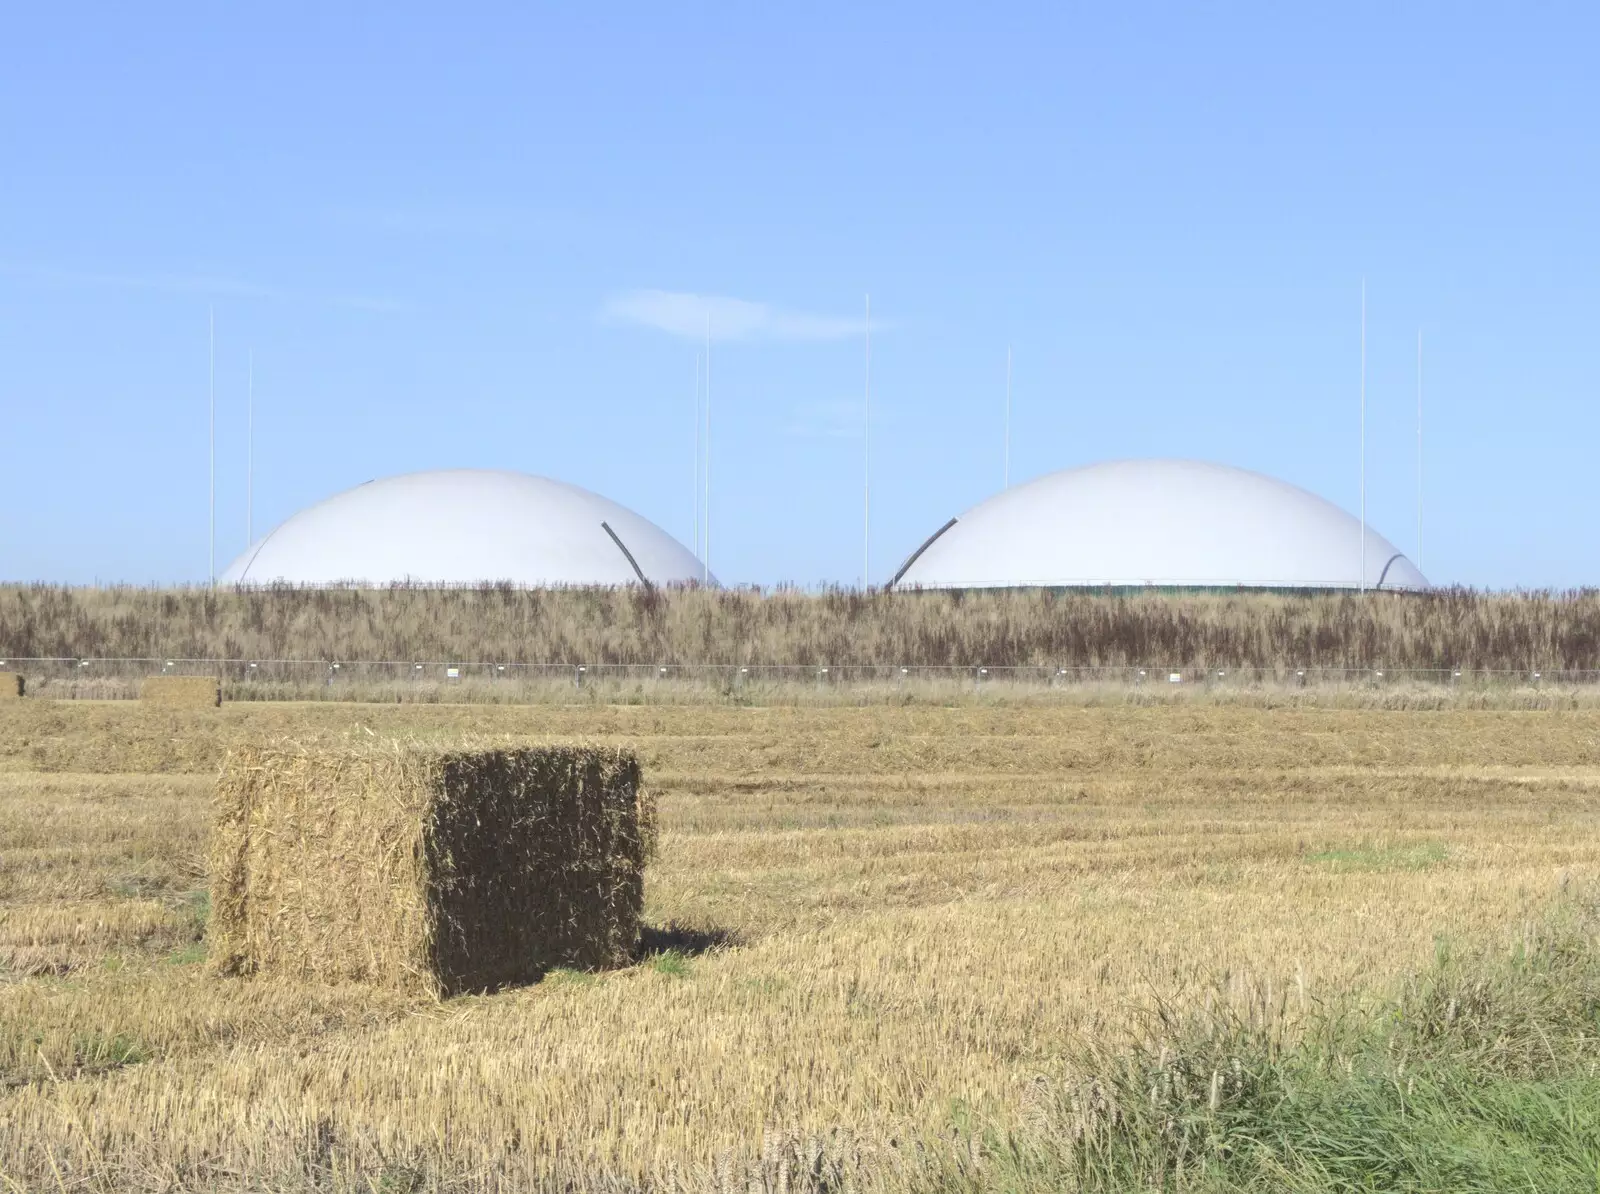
(885, 928)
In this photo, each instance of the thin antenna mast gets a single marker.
(211, 317)
(1419, 449)
(250, 457)
(696, 486)
(1008, 418)
(866, 466)
(705, 560)
(1363, 583)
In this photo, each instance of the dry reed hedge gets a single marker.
(500, 623)
(185, 691)
(418, 866)
(11, 686)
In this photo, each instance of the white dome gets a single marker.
(466, 526)
(1181, 523)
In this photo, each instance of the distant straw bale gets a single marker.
(444, 869)
(11, 686)
(191, 692)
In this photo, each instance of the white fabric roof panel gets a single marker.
(465, 526)
(1181, 523)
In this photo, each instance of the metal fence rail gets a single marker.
(114, 677)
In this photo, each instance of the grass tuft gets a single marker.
(1483, 1075)
(671, 963)
(97, 1052)
(1416, 856)
(190, 955)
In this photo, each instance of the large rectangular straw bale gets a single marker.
(445, 869)
(11, 686)
(192, 692)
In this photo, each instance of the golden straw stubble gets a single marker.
(877, 914)
(192, 692)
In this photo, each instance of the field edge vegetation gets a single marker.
(1262, 631)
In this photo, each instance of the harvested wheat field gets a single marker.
(886, 930)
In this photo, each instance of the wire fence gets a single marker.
(245, 679)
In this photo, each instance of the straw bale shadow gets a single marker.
(657, 943)
(684, 940)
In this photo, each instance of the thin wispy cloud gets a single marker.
(204, 285)
(687, 315)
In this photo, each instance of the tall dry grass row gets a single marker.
(1445, 629)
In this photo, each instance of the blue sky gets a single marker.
(475, 238)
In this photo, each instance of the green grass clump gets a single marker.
(1412, 856)
(97, 1051)
(1481, 1075)
(670, 962)
(189, 955)
(198, 904)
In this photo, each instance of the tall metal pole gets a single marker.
(705, 560)
(696, 486)
(250, 457)
(1419, 449)
(866, 465)
(1008, 418)
(211, 316)
(1363, 583)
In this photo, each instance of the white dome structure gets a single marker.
(466, 526)
(1157, 523)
